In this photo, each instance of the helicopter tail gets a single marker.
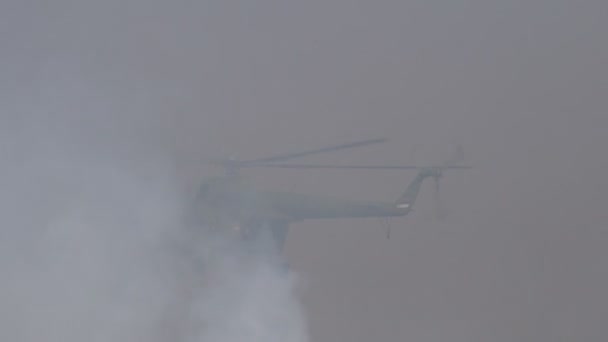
(407, 199)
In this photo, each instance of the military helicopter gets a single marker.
(228, 203)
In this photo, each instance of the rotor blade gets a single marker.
(323, 166)
(369, 167)
(309, 152)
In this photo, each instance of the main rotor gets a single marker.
(232, 166)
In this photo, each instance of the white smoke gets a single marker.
(92, 248)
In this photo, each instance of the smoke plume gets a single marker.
(92, 244)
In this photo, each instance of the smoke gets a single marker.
(92, 245)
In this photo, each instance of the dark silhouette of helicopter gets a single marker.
(229, 204)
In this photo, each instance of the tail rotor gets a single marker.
(440, 209)
(441, 212)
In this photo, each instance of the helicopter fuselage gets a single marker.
(228, 204)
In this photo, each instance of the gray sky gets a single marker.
(521, 84)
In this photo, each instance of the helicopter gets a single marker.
(229, 204)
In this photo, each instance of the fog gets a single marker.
(108, 107)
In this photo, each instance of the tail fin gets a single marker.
(406, 201)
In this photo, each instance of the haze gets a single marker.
(521, 84)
